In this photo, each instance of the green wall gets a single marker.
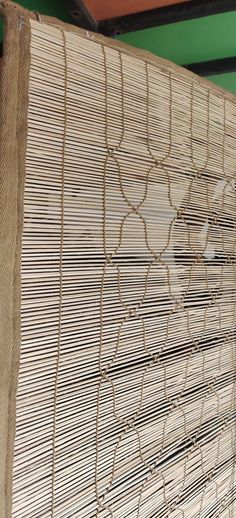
(202, 39)
(191, 41)
(55, 8)
(50, 7)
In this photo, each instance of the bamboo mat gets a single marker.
(125, 405)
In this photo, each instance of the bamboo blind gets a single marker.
(125, 357)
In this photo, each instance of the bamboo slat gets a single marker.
(125, 404)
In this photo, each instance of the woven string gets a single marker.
(38, 16)
(128, 324)
(129, 423)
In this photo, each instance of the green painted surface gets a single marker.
(191, 41)
(211, 37)
(202, 39)
(227, 81)
(55, 8)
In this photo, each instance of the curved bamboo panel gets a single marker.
(120, 281)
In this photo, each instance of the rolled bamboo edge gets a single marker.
(13, 116)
